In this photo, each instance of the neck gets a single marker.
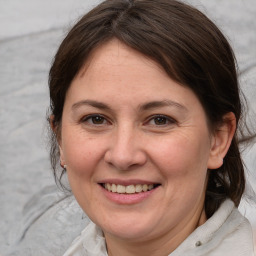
(161, 246)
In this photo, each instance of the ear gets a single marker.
(62, 160)
(56, 131)
(52, 123)
(221, 140)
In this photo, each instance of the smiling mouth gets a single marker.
(130, 189)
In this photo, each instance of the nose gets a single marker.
(125, 150)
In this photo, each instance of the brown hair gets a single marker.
(189, 47)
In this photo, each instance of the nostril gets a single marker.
(125, 158)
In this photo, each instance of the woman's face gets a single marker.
(128, 127)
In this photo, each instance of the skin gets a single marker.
(126, 141)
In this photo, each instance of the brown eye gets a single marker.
(95, 120)
(160, 120)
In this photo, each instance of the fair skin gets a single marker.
(125, 122)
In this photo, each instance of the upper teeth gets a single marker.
(130, 189)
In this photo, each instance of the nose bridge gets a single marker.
(125, 140)
(125, 150)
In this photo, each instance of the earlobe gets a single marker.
(221, 140)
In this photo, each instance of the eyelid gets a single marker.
(168, 118)
(87, 117)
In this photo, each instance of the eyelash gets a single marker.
(87, 118)
(167, 120)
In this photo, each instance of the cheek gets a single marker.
(81, 154)
(183, 164)
(182, 156)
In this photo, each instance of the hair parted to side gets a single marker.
(188, 46)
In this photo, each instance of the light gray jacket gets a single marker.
(227, 233)
(53, 220)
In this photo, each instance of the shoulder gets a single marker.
(51, 221)
(227, 233)
(91, 242)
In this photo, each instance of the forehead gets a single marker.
(117, 57)
(116, 73)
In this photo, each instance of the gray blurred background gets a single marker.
(30, 32)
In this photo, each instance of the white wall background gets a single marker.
(30, 31)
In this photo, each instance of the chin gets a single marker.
(128, 228)
(128, 233)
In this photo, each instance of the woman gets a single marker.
(144, 111)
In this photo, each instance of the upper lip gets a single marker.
(127, 182)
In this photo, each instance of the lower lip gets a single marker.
(128, 198)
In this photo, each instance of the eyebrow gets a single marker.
(93, 103)
(143, 107)
(162, 103)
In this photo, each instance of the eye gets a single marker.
(95, 119)
(160, 120)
